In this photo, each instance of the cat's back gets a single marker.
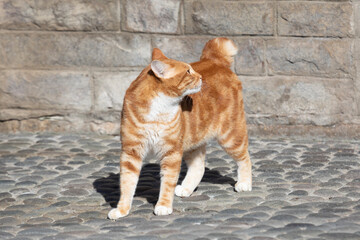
(206, 111)
(217, 79)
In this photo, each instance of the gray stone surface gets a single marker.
(154, 16)
(44, 89)
(38, 121)
(315, 19)
(186, 49)
(310, 57)
(110, 89)
(357, 18)
(298, 100)
(77, 179)
(357, 80)
(44, 50)
(60, 15)
(250, 59)
(68, 63)
(216, 17)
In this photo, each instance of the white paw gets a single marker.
(180, 191)
(162, 210)
(243, 186)
(115, 214)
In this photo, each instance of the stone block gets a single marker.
(250, 59)
(157, 16)
(315, 19)
(45, 90)
(186, 49)
(110, 88)
(45, 50)
(216, 17)
(310, 57)
(60, 15)
(294, 100)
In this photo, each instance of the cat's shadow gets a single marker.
(149, 183)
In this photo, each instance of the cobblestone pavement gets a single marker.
(62, 186)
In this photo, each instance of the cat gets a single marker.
(174, 108)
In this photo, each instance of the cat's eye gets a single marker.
(188, 71)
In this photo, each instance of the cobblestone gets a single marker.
(62, 186)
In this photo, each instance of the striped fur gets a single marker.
(165, 112)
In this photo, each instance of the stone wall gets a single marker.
(65, 64)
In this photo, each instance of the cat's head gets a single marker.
(176, 78)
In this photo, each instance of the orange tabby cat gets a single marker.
(165, 112)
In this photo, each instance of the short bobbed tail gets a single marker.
(220, 50)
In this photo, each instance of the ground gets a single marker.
(55, 186)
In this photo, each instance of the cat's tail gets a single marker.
(221, 50)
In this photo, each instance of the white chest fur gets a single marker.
(163, 108)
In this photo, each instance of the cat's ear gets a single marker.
(161, 69)
(157, 54)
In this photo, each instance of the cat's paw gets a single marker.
(116, 214)
(162, 210)
(243, 186)
(180, 191)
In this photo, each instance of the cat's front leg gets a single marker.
(130, 166)
(170, 169)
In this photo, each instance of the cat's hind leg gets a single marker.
(236, 145)
(195, 161)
